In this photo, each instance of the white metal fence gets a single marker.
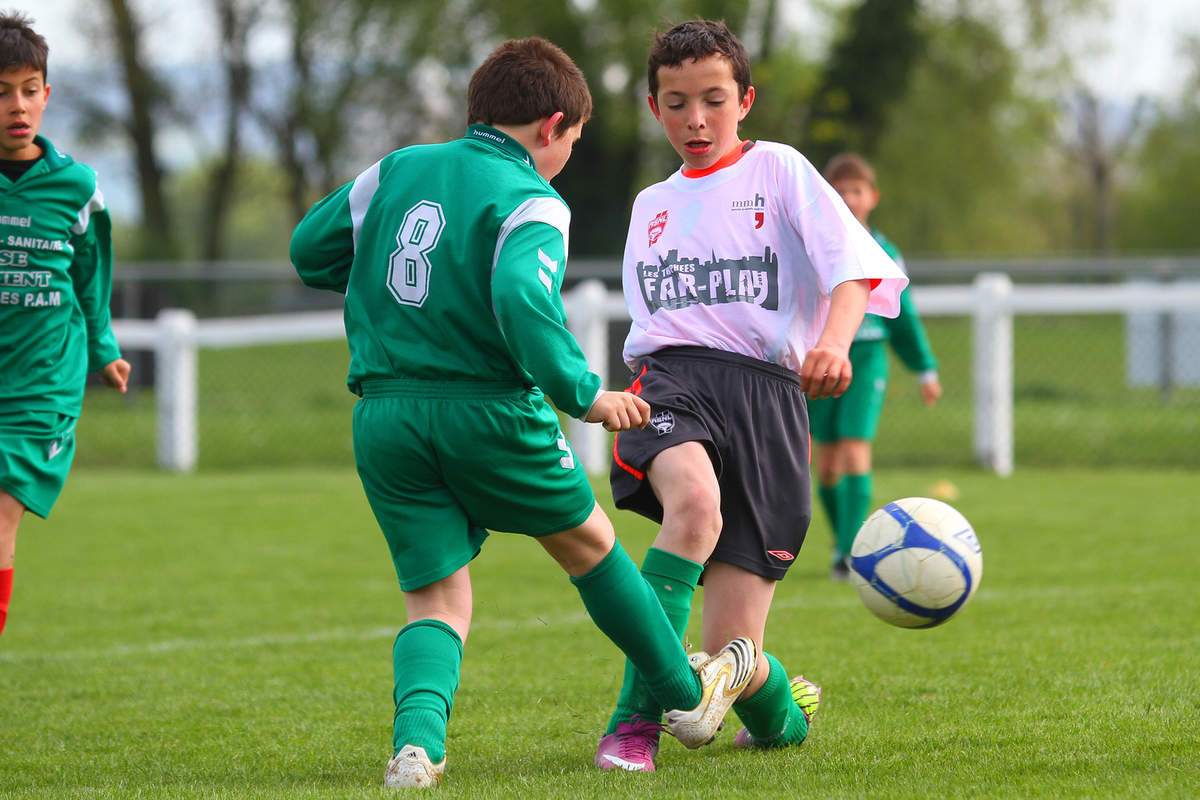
(990, 301)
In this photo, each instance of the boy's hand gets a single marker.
(619, 411)
(116, 374)
(931, 391)
(826, 372)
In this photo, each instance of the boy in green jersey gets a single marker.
(844, 427)
(55, 281)
(451, 257)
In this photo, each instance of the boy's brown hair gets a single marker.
(697, 39)
(849, 167)
(20, 44)
(525, 80)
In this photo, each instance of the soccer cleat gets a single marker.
(412, 769)
(723, 678)
(633, 747)
(806, 694)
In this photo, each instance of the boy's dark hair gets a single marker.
(525, 80)
(849, 167)
(697, 39)
(20, 44)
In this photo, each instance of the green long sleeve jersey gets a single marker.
(905, 332)
(55, 284)
(451, 257)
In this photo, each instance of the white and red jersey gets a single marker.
(743, 259)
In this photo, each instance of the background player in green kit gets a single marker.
(55, 282)
(451, 257)
(844, 427)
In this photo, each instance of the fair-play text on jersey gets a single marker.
(676, 282)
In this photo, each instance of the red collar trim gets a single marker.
(727, 160)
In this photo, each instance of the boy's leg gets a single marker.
(683, 479)
(625, 609)
(856, 491)
(673, 579)
(735, 598)
(426, 659)
(11, 510)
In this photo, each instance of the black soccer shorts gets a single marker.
(752, 418)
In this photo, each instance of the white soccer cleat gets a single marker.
(412, 769)
(723, 678)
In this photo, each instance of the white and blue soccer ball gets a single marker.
(916, 562)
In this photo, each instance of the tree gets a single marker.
(147, 98)
(235, 20)
(867, 73)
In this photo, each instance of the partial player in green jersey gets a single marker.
(55, 280)
(843, 428)
(451, 257)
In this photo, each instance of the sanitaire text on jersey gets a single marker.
(744, 259)
(55, 284)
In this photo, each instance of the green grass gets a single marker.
(229, 636)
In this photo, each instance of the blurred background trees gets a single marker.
(985, 141)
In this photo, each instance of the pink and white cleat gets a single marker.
(633, 746)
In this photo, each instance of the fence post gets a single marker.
(589, 323)
(175, 388)
(993, 381)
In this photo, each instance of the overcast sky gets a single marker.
(1136, 52)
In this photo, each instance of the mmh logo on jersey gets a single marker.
(758, 206)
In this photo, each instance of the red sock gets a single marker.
(6, 578)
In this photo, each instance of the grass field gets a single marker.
(229, 636)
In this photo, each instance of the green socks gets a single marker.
(624, 607)
(673, 580)
(770, 714)
(829, 501)
(854, 504)
(425, 661)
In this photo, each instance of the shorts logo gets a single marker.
(663, 422)
(657, 226)
(782, 555)
(53, 449)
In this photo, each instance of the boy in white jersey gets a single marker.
(746, 277)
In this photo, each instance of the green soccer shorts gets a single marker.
(443, 463)
(36, 450)
(854, 415)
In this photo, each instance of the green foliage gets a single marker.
(866, 75)
(229, 636)
(1159, 209)
(950, 168)
(260, 222)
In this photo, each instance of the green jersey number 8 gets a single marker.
(409, 267)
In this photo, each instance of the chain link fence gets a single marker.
(1088, 389)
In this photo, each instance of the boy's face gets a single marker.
(550, 158)
(699, 108)
(860, 196)
(23, 96)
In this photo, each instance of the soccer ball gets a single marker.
(916, 562)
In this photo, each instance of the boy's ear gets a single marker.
(546, 128)
(747, 101)
(653, 106)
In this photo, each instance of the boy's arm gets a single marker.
(907, 335)
(826, 369)
(322, 246)
(91, 276)
(525, 298)
(911, 345)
